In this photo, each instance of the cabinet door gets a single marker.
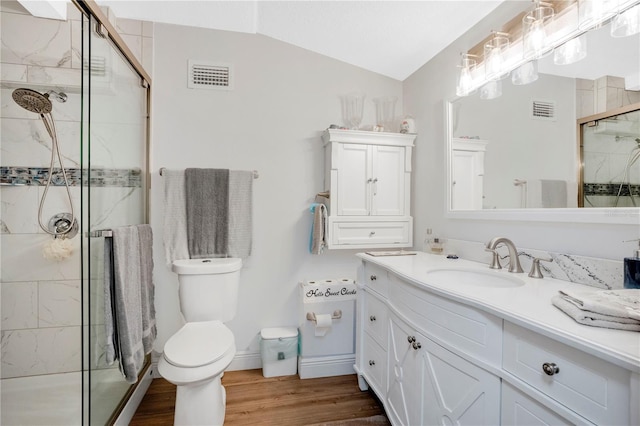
(466, 190)
(405, 377)
(456, 391)
(353, 179)
(388, 181)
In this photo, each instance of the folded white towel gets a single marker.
(616, 303)
(175, 216)
(594, 319)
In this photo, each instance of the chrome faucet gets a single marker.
(514, 262)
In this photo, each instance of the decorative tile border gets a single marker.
(37, 176)
(610, 189)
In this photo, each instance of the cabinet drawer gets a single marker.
(376, 278)
(374, 360)
(375, 319)
(519, 409)
(470, 331)
(591, 387)
(370, 234)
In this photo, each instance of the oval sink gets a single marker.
(473, 277)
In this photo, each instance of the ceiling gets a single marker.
(392, 38)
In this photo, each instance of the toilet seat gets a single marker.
(198, 343)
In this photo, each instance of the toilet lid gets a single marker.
(198, 343)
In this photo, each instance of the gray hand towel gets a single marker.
(618, 303)
(207, 201)
(124, 304)
(147, 288)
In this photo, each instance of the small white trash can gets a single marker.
(279, 350)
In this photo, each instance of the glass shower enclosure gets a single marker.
(53, 366)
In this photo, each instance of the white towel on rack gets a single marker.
(175, 216)
(546, 193)
(240, 213)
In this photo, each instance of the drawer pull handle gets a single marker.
(372, 362)
(372, 318)
(373, 278)
(411, 339)
(550, 368)
(416, 345)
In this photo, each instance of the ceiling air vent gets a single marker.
(209, 75)
(543, 110)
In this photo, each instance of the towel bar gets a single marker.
(107, 233)
(337, 314)
(256, 175)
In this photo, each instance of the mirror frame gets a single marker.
(613, 215)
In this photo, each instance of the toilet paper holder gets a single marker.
(337, 314)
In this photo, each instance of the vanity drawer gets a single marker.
(375, 319)
(371, 234)
(376, 278)
(374, 364)
(593, 388)
(470, 331)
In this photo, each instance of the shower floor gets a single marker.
(56, 399)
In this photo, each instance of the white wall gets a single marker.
(271, 122)
(424, 94)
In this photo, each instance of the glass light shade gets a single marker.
(534, 24)
(626, 23)
(352, 107)
(525, 73)
(593, 13)
(494, 56)
(571, 51)
(465, 80)
(491, 90)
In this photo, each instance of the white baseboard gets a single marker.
(127, 413)
(326, 366)
(245, 361)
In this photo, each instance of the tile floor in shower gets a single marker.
(56, 399)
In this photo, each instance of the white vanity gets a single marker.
(438, 348)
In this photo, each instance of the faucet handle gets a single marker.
(495, 259)
(535, 267)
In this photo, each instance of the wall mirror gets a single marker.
(514, 152)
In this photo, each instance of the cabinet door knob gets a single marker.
(372, 362)
(373, 278)
(411, 339)
(550, 368)
(372, 318)
(372, 233)
(416, 345)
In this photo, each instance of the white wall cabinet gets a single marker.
(368, 176)
(450, 363)
(468, 174)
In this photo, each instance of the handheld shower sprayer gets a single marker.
(40, 104)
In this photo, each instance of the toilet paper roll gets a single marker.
(323, 324)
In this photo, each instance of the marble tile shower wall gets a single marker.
(41, 312)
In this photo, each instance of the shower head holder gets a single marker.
(61, 225)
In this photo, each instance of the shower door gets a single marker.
(610, 151)
(115, 160)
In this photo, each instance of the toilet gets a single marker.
(194, 359)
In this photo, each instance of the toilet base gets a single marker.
(201, 404)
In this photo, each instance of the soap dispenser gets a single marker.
(632, 269)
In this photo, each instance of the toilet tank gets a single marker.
(208, 288)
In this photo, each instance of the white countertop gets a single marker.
(528, 306)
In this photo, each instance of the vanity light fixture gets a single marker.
(593, 13)
(465, 79)
(572, 51)
(534, 23)
(494, 51)
(626, 23)
(525, 73)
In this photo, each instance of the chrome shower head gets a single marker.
(32, 101)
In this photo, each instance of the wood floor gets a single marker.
(255, 400)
